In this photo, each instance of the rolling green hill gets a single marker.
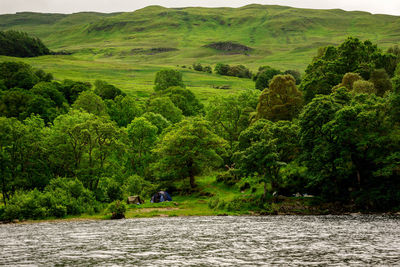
(127, 48)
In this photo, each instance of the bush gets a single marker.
(242, 203)
(60, 198)
(114, 191)
(213, 202)
(207, 69)
(118, 209)
(197, 67)
(167, 78)
(58, 210)
(229, 178)
(136, 185)
(235, 71)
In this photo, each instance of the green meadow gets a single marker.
(127, 49)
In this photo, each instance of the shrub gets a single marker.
(61, 197)
(58, 210)
(167, 78)
(197, 67)
(114, 191)
(213, 202)
(229, 178)
(118, 209)
(207, 69)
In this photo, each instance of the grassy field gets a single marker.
(135, 80)
(127, 49)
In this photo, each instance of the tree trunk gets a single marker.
(191, 175)
(265, 192)
(359, 179)
(192, 182)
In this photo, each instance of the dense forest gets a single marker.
(20, 44)
(70, 147)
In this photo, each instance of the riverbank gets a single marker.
(189, 207)
(217, 199)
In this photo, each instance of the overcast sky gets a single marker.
(71, 6)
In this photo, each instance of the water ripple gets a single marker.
(206, 241)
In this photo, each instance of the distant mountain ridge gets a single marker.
(274, 34)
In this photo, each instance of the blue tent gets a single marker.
(160, 197)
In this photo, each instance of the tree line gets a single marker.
(335, 135)
(20, 44)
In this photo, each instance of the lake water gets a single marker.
(206, 241)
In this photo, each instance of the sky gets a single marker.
(391, 7)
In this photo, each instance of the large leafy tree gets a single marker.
(348, 145)
(18, 74)
(123, 109)
(229, 116)
(327, 69)
(106, 91)
(258, 154)
(168, 78)
(281, 101)
(22, 155)
(185, 100)
(80, 144)
(264, 77)
(186, 149)
(165, 107)
(142, 136)
(91, 103)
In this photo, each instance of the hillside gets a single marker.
(151, 38)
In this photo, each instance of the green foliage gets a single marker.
(258, 153)
(91, 103)
(168, 78)
(50, 91)
(18, 74)
(381, 82)
(185, 100)
(348, 81)
(72, 89)
(229, 116)
(222, 69)
(123, 109)
(281, 101)
(354, 143)
(295, 74)
(20, 44)
(197, 67)
(235, 71)
(142, 136)
(114, 191)
(82, 144)
(166, 108)
(186, 149)
(106, 91)
(363, 87)
(157, 120)
(328, 68)
(136, 185)
(229, 177)
(118, 209)
(60, 198)
(264, 77)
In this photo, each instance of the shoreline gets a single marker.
(96, 217)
